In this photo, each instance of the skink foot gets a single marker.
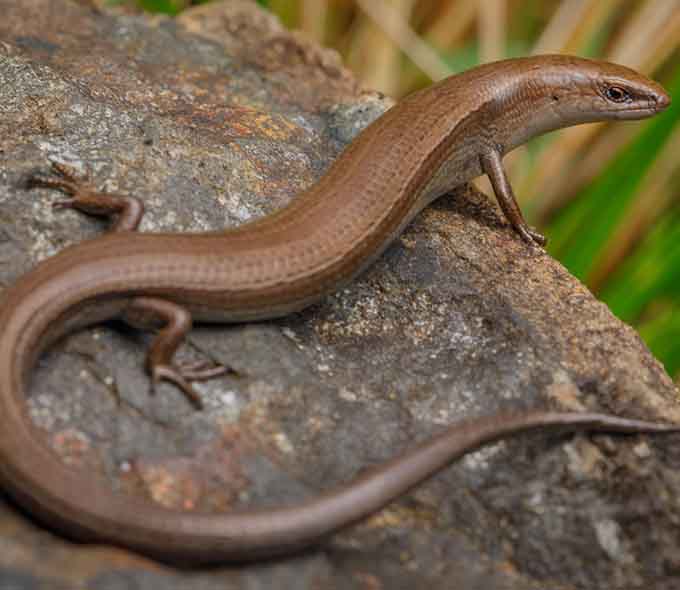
(531, 236)
(63, 178)
(181, 374)
(168, 373)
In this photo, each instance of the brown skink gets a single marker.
(426, 145)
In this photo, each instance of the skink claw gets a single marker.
(202, 370)
(63, 178)
(534, 237)
(168, 373)
(64, 204)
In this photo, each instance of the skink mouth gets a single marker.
(654, 105)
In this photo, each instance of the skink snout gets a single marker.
(657, 97)
(661, 100)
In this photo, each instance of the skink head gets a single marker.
(597, 90)
(554, 91)
(625, 94)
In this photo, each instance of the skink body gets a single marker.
(426, 145)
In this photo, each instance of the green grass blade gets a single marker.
(159, 6)
(651, 272)
(662, 335)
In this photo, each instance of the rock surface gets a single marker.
(215, 121)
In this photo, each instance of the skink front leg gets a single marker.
(85, 198)
(492, 166)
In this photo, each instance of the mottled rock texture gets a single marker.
(213, 121)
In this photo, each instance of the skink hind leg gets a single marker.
(83, 197)
(493, 168)
(176, 322)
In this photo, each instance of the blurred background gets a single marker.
(608, 197)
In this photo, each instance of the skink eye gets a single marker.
(617, 94)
